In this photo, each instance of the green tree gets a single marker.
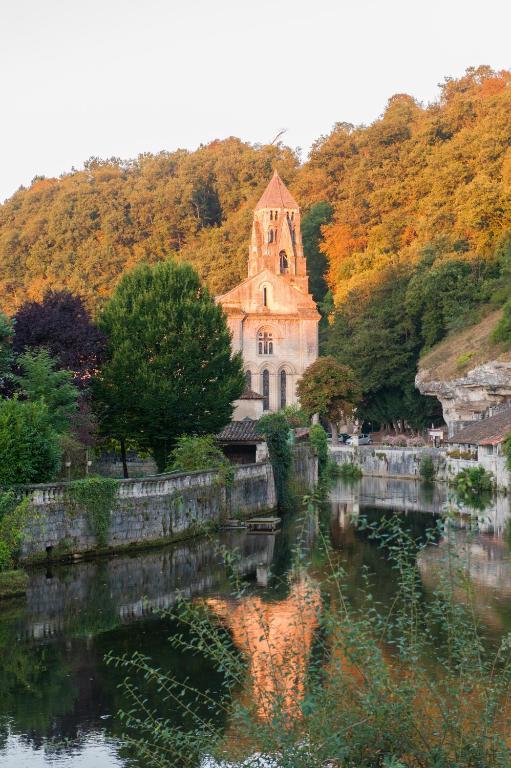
(6, 354)
(41, 382)
(29, 445)
(331, 390)
(170, 369)
(317, 264)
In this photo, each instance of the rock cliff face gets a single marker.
(470, 396)
(467, 373)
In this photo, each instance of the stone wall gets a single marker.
(146, 510)
(405, 463)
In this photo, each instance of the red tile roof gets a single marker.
(490, 431)
(276, 195)
(240, 432)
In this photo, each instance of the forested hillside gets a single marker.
(412, 213)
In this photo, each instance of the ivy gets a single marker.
(95, 497)
(13, 519)
(275, 428)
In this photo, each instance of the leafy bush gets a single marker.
(463, 359)
(349, 471)
(95, 496)
(346, 685)
(295, 416)
(195, 453)
(319, 441)
(502, 331)
(427, 468)
(507, 451)
(474, 480)
(29, 446)
(275, 428)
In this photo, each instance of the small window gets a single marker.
(265, 343)
(265, 297)
(248, 379)
(270, 235)
(276, 214)
(271, 215)
(284, 264)
(292, 215)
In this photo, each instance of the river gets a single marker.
(59, 699)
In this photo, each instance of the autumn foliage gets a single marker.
(412, 214)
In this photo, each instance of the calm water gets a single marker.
(59, 699)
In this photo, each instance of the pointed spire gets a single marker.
(276, 195)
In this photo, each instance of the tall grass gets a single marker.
(340, 683)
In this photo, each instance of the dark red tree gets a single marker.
(61, 324)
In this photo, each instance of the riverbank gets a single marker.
(148, 511)
(405, 463)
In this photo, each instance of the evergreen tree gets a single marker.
(170, 370)
(40, 382)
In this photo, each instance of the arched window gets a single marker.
(265, 387)
(265, 342)
(248, 379)
(270, 235)
(265, 296)
(283, 389)
(276, 214)
(292, 215)
(271, 215)
(284, 264)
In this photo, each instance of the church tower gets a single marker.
(272, 317)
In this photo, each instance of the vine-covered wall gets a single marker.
(68, 519)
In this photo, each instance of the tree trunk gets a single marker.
(335, 433)
(160, 455)
(123, 458)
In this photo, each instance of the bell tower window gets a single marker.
(284, 264)
(265, 297)
(265, 343)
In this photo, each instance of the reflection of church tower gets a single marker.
(272, 316)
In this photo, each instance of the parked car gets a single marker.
(344, 437)
(362, 439)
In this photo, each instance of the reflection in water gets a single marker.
(59, 699)
(276, 638)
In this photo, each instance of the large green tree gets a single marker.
(331, 390)
(170, 369)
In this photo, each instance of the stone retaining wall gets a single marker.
(405, 463)
(146, 510)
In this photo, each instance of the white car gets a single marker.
(362, 439)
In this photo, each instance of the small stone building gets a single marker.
(272, 317)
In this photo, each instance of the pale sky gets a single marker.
(120, 77)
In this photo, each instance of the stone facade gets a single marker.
(272, 317)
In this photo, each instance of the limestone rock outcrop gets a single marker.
(468, 374)
(470, 396)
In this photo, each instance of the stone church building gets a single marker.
(272, 316)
